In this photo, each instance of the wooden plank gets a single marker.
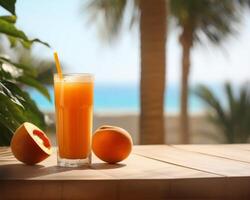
(225, 151)
(135, 167)
(138, 167)
(63, 189)
(206, 163)
(138, 177)
(199, 188)
(11, 169)
(240, 146)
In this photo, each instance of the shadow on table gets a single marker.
(22, 171)
(99, 166)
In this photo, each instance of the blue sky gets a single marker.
(63, 24)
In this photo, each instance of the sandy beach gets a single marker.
(202, 132)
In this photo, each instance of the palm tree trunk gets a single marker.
(153, 31)
(186, 42)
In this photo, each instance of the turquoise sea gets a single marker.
(122, 98)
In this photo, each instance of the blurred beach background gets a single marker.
(82, 48)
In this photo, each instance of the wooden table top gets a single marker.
(150, 172)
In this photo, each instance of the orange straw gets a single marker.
(58, 66)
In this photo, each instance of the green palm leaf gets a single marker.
(29, 70)
(10, 30)
(30, 109)
(16, 105)
(110, 15)
(233, 118)
(35, 84)
(9, 5)
(9, 18)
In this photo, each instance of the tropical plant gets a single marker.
(16, 106)
(200, 22)
(152, 17)
(231, 116)
(44, 68)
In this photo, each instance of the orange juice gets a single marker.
(74, 111)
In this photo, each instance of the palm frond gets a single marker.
(109, 15)
(232, 118)
(213, 20)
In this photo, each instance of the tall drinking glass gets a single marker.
(74, 113)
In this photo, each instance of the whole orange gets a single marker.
(111, 144)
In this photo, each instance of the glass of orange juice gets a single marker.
(74, 116)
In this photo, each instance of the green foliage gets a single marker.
(213, 20)
(9, 18)
(16, 105)
(43, 69)
(9, 5)
(7, 27)
(234, 117)
(244, 3)
(109, 14)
